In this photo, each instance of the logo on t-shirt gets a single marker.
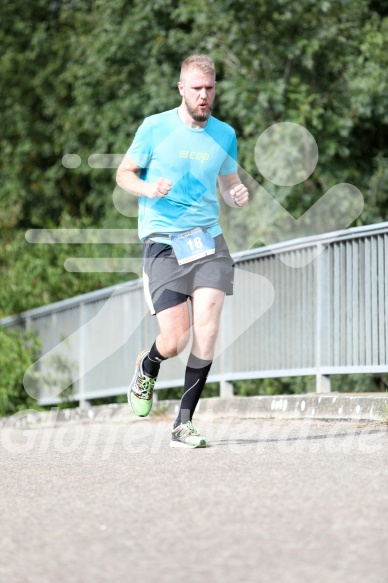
(200, 156)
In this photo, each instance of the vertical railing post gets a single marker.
(82, 357)
(28, 323)
(226, 387)
(323, 384)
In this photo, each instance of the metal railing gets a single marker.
(314, 306)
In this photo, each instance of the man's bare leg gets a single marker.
(207, 306)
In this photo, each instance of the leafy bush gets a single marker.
(18, 350)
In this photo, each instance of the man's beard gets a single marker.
(197, 114)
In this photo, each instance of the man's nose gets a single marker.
(202, 93)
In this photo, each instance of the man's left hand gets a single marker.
(240, 195)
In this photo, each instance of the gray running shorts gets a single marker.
(167, 284)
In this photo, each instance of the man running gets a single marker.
(173, 166)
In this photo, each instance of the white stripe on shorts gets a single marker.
(147, 294)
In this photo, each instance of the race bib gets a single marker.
(191, 245)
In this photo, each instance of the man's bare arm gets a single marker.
(127, 177)
(233, 190)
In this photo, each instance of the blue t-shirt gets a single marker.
(192, 159)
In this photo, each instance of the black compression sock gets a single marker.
(195, 380)
(151, 363)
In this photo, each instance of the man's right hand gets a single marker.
(159, 189)
(128, 179)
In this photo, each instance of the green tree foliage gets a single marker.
(18, 350)
(79, 77)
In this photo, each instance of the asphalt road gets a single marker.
(271, 501)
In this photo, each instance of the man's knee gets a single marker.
(174, 342)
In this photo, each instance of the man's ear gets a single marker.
(180, 87)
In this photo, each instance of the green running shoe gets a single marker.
(185, 435)
(141, 388)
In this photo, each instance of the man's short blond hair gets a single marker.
(202, 62)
